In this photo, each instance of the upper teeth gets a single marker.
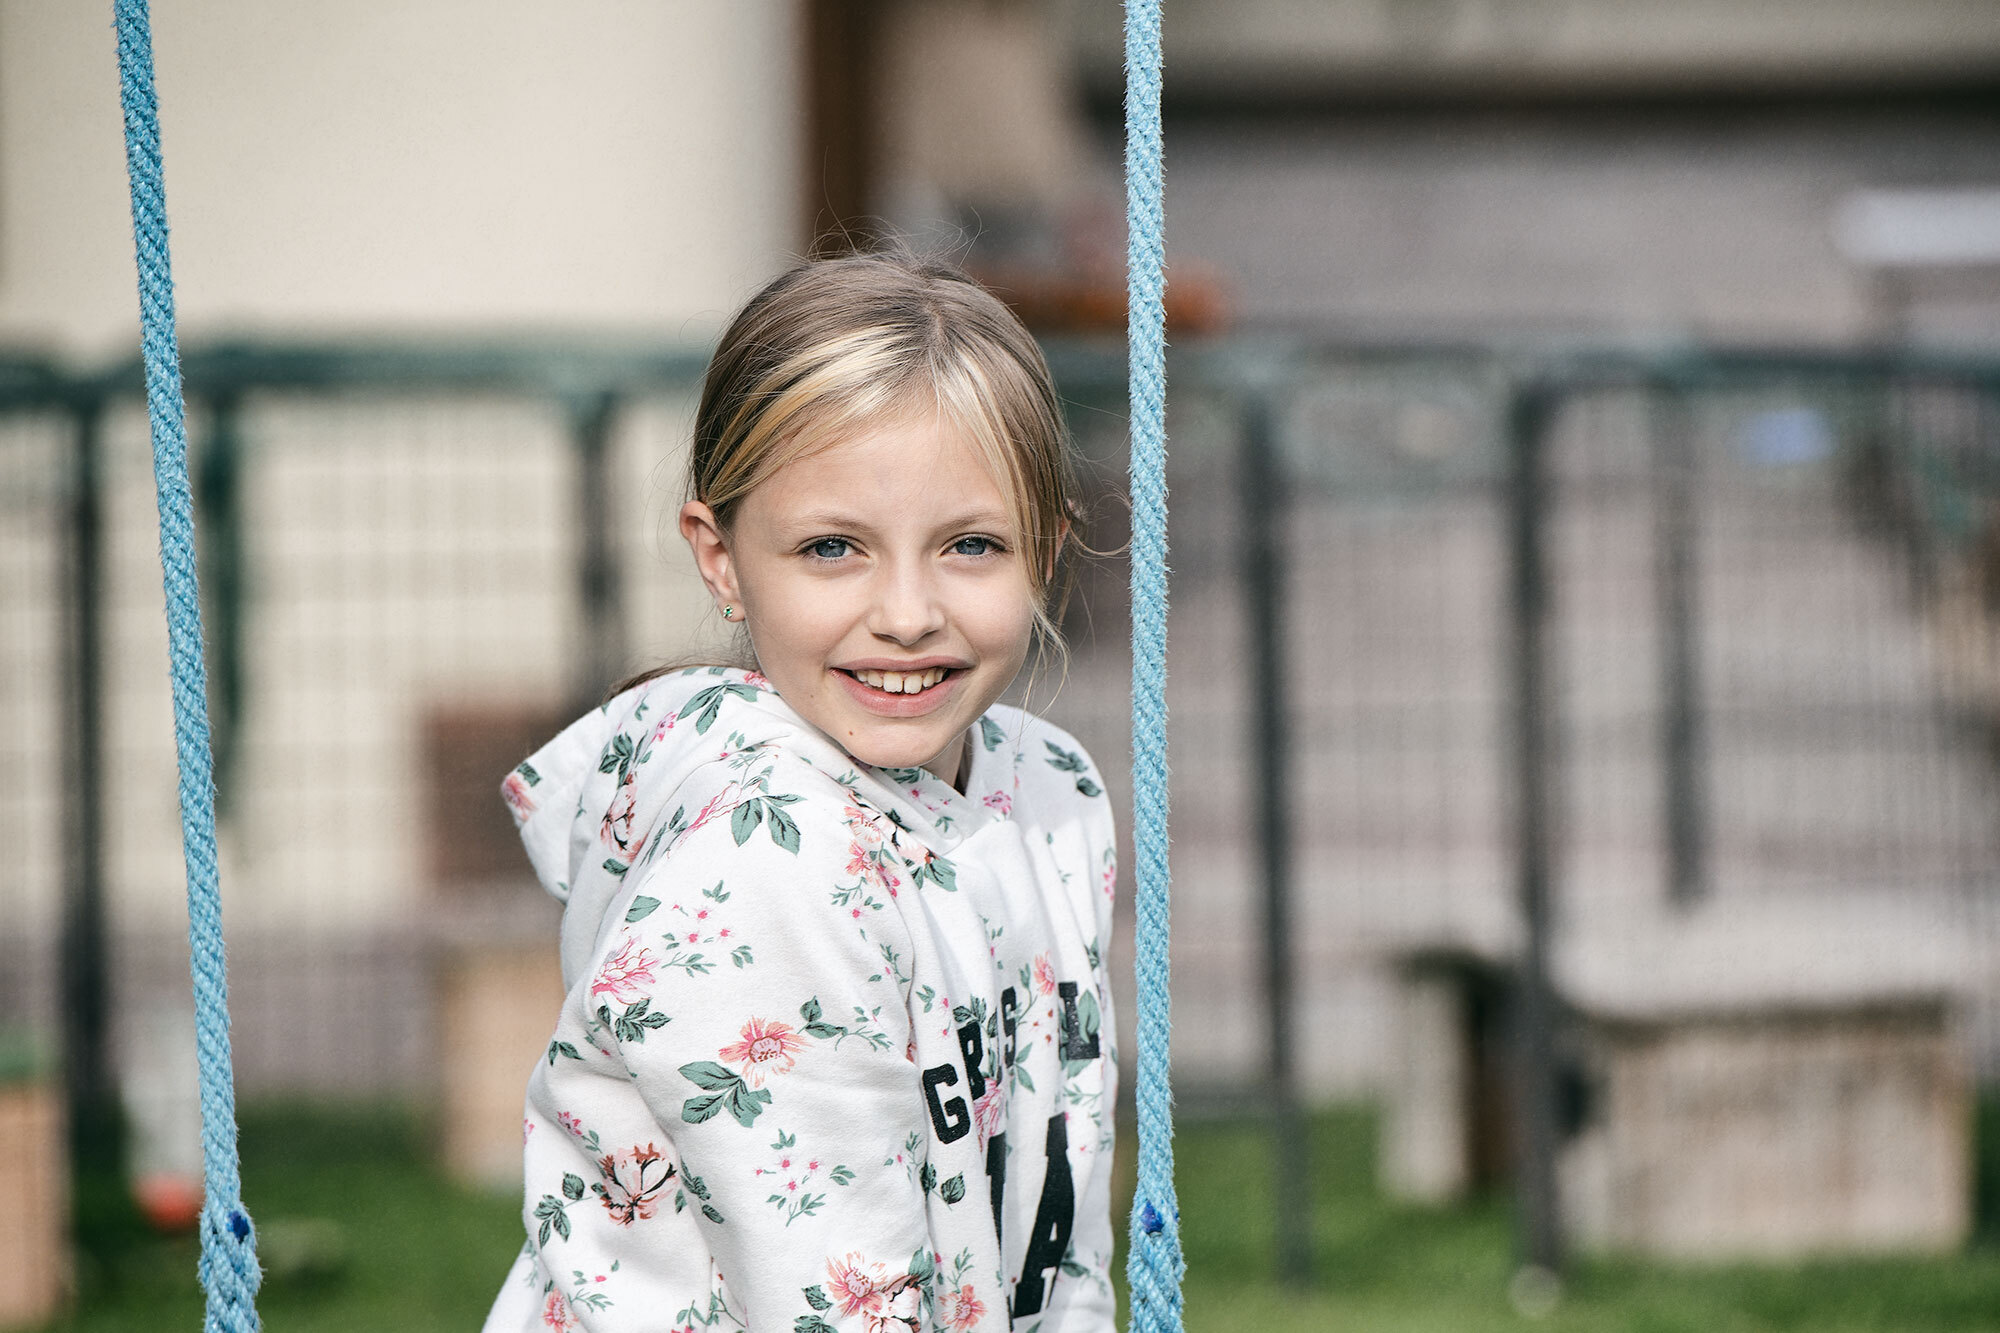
(902, 682)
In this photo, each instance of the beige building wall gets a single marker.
(451, 164)
(373, 167)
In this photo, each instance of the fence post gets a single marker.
(602, 658)
(1676, 574)
(219, 511)
(1264, 547)
(1530, 409)
(96, 1144)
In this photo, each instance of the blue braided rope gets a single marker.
(229, 1272)
(1153, 1265)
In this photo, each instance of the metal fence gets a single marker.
(1539, 722)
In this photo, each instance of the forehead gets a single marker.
(913, 470)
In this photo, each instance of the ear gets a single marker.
(710, 545)
(1055, 552)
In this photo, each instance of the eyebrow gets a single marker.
(835, 520)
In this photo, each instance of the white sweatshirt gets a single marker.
(836, 1053)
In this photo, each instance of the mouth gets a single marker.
(901, 694)
(902, 682)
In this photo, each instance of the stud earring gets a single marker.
(729, 613)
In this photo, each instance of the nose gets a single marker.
(907, 607)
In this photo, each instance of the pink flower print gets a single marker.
(885, 1304)
(998, 801)
(1110, 878)
(556, 1314)
(856, 1284)
(616, 827)
(986, 1111)
(899, 1311)
(633, 1179)
(625, 974)
(863, 829)
(866, 865)
(519, 797)
(756, 679)
(960, 1309)
(569, 1122)
(1045, 975)
(764, 1049)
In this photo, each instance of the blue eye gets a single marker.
(974, 546)
(828, 548)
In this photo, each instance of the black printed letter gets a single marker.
(950, 1119)
(996, 1176)
(1049, 1242)
(973, 1048)
(1008, 1004)
(1074, 1047)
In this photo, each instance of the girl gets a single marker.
(836, 1052)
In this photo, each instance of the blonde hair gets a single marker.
(833, 345)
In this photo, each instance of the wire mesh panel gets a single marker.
(394, 616)
(1777, 835)
(35, 489)
(36, 739)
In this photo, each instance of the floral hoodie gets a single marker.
(836, 1054)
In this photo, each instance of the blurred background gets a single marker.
(1586, 639)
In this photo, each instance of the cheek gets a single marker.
(1003, 622)
(794, 624)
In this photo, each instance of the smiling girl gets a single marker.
(836, 1053)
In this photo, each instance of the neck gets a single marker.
(953, 764)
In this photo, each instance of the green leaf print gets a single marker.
(990, 734)
(817, 1299)
(572, 1187)
(812, 1323)
(935, 869)
(707, 703)
(726, 1091)
(815, 1023)
(745, 820)
(528, 774)
(553, 1215)
(561, 1048)
(1089, 788)
(927, 1178)
(1069, 761)
(954, 1189)
(641, 908)
(615, 866)
(635, 1022)
(617, 756)
(784, 830)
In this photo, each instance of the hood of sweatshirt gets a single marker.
(592, 801)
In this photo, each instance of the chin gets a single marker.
(896, 751)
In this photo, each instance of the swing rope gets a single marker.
(1153, 1264)
(229, 1273)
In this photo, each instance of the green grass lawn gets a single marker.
(360, 1232)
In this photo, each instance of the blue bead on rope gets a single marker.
(229, 1272)
(1154, 1265)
